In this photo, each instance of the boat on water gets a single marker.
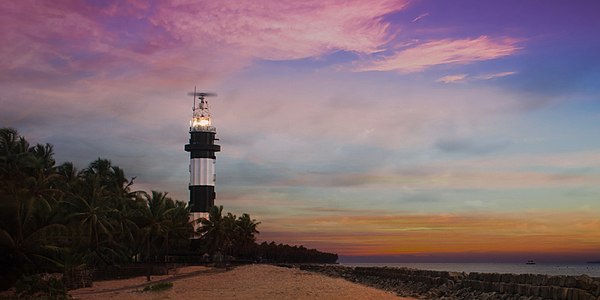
(530, 262)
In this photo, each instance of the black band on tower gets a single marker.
(202, 197)
(202, 145)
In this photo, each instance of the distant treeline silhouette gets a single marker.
(58, 219)
(293, 254)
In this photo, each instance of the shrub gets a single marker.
(161, 286)
(40, 287)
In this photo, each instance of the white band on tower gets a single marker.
(202, 171)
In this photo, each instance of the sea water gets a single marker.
(592, 270)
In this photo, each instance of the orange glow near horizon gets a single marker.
(547, 233)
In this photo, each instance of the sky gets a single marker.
(380, 130)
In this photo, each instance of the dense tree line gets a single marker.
(293, 254)
(235, 237)
(54, 218)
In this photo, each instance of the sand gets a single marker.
(243, 282)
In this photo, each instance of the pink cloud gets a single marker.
(279, 29)
(33, 34)
(179, 39)
(440, 52)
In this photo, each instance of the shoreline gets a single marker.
(544, 268)
(459, 285)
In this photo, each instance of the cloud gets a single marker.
(468, 146)
(414, 182)
(101, 73)
(442, 179)
(560, 162)
(453, 78)
(280, 29)
(441, 52)
(178, 39)
(456, 78)
(419, 17)
(495, 75)
(418, 182)
(318, 112)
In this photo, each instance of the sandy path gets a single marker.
(244, 282)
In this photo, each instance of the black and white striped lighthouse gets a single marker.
(202, 149)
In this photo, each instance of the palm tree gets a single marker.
(100, 167)
(29, 239)
(112, 177)
(89, 209)
(180, 228)
(13, 148)
(155, 222)
(43, 157)
(217, 231)
(246, 230)
(126, 231)
(69, 177)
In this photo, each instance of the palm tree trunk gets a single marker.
(167, 253)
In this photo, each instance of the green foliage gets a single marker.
(227, 234)
(162, 223)
(36, 287)
(161, 286)
(56, 218)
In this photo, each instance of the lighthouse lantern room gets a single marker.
(202, 149)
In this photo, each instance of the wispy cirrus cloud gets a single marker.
(458, 78)
(441, 52)
(419, 17)
(495, 75)
(453, 78)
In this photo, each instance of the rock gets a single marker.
(455, 285)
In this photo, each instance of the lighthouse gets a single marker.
(202, 149)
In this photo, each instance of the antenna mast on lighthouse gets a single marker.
(202, 149)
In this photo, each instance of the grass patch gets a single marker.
(161, 286)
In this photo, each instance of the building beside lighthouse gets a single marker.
(202, 149)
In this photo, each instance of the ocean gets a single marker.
(592, 270)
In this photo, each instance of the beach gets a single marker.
(243, 282)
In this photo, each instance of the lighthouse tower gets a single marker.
(202, 149)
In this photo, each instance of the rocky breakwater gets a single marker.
(454, 285)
